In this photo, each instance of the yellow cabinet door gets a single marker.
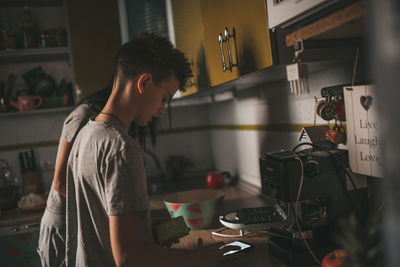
(215, 20)
(250, 48)
(189, 39)
(250, 22)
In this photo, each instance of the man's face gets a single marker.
(155, 98)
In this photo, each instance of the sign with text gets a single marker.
(363, 136)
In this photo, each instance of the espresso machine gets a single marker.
(311, 194)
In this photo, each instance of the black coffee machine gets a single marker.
(323, 200)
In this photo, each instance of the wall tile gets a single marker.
(224, 150)
(44, 159)
(196, 146)
(8, 130)
(40, 127)
(270, 104)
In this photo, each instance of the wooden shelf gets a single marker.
(37, 112)
(328, 23)
(30, 3)
(34, 54)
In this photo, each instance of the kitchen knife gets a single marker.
(21, 162)
(33, 162)
(27, 161)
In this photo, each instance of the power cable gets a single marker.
(295, 213)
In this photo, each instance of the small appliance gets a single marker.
(311, 194)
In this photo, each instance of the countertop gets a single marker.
(234, 198)
(17, 217)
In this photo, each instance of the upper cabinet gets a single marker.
(63, 43)
(188, 28)
(34, 54)
(319, 30)
(94, 38)
(236, 37)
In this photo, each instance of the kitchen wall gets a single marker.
(230, 135)
(262, 119)
(39, 130)
(273, 107)
(189, 137)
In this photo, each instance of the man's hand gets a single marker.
(159, 229)
(129, 249)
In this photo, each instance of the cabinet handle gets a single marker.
(227, 36)
(221, 40)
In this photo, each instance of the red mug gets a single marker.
(216, 180)
(27, 102)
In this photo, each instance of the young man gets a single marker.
(108, 219)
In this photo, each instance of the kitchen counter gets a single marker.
(234, 198)
(18, 217)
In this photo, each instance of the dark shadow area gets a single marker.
(276, 99)
(247, 63)
(202, 76)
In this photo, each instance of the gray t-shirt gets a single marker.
(105, 176)
(72, 125)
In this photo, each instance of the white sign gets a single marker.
(363, 136)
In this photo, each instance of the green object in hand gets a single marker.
(172, 229)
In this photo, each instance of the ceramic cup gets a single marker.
(27, 102)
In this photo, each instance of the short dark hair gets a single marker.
(153, 54)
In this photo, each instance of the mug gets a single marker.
(216, 180)
(27, 102)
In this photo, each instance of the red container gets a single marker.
(215, 180)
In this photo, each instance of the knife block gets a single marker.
(31, 182)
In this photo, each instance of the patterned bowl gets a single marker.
(199, 208)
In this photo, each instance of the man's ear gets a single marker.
(144, 79)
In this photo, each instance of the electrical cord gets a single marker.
(303, 144)
(343, 183)
(295, 213)
(356, 190)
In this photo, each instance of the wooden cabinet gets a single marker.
(188, 27)
(94, 37)
(250, 48)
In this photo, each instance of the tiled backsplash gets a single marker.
(238, 150)
(38, 130)
(41, 131)
(227, 136)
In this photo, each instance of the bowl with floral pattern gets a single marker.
(199, 208)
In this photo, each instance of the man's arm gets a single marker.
(129, 249)
(60, 171)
